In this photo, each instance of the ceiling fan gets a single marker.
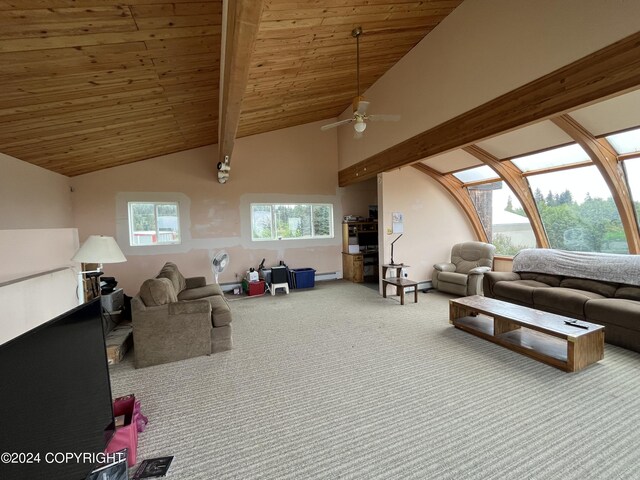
(360, 105)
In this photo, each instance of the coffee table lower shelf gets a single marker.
(542, 347)
(543, 336)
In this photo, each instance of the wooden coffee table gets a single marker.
(534, 333)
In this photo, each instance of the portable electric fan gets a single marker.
(219, 262)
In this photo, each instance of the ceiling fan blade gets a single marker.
(384, 118)
(336, 124)
(363, 105)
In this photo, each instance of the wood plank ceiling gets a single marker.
(91, 84)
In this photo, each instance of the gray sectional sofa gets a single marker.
(175, 318)
(598, 288)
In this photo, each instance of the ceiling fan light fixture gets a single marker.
(360, 105)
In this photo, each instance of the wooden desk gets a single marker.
(401, 284)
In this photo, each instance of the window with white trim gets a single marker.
(271, 221)
(153, 223)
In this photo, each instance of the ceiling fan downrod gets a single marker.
(355, 33)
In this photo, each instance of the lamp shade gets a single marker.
(99, 249)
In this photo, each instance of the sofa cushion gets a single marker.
(630, 293)
(563, 301)
(220, 311)
(453, 277)
(170, 271)
(616, 311)
(605, 289)
(519, 291)
(157, 291)
(200, 292)
(221, 339)
(551, 280)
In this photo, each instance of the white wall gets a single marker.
(32, 197)
(485, 48)
(433, 222)
(25, 252)
(36, 236)
(357, 198)
(32, 301)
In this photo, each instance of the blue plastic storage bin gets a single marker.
(302, 278)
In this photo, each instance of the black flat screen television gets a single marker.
(55, 397)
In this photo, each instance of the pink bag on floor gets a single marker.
(126, 436)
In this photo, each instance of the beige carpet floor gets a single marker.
(336, 382)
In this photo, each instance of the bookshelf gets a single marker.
(360, 251)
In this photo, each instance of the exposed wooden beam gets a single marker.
(607, 163)
(611, 70)
(513, 177)
(455, 188)
(242, 21)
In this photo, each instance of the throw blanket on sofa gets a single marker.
(606, 267)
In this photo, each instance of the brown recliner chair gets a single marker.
(464, 274)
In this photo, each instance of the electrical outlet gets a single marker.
(389, 231)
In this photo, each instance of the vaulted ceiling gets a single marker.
(90, 84)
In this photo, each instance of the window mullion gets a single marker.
(274, 226)
(313, 230)
(156, 207)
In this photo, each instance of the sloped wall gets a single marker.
(479, 52)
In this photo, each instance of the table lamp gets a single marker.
(393, 264)
(97, 249)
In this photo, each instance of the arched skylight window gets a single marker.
(625, 142)
(476, 174)
(571, 154)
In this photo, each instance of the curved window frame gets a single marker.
(571, 164)
(575, 212)
(504, 243)
(633, 186)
